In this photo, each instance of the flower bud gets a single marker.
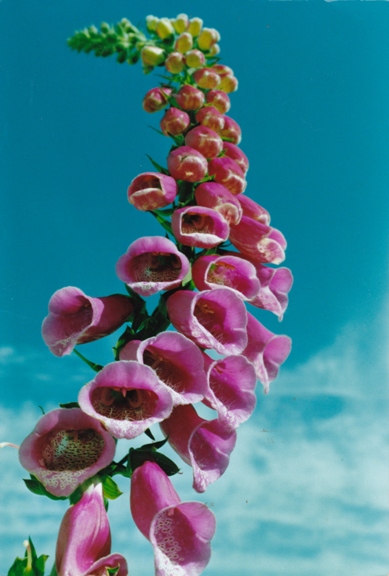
(232, 151)
(211, 117)
(152, 190)
(206, 78)
(156, 99)
(207, 38)
(175, 63)
(186, 163)
(223, 70)
(194, 26)
(151, 22)
(216, 196)
(189, 98)
(164, 28)
(152, 55)
(228, 84)
(219, 100)
(214, 50)
(180, 23)
(184, 42)
(254, 210)
(205, 140)
(174, 122)
(228, 173)
(231, 130)
(194, 59)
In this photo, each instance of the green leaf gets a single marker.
(70, 405)
(30, 565)
(167, 465)
(110, 488)
(36, 487)
(157, 166)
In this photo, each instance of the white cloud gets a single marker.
(306, 493)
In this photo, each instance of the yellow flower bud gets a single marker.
(175, 63)
(214, 50)
(151, 22)
(184, 42)
(181, 23)
(194, 59)
(207, 38)
(164, 28)
(194, 27)
(152, 55)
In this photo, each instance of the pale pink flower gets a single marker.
(66, 447)
(75, 318)
(216, 196)
(206, 78)
(227, 172)
(199, 226)
(273, 293)
(233, 151)
(152, 190)
(186, 163)
(257, 241)
(253, 210)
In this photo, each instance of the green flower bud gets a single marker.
(151, 23)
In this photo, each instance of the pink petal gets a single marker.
(199, 226)
(256, 241)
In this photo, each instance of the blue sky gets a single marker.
(312, 104)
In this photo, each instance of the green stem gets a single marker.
(95, 367)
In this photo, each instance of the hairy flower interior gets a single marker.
(194, 223)
(167, 370)
(156, 267)
(124, 403)
(211, 319)
(72, 449)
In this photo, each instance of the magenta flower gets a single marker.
(212, 318)
(227, 172)
(231, 130)
(174, 121)
(65, 448)
(186, 163)
(253, 210)
(206, 78)
(219, 99)
(156, 99)
(127, 397)
(189, 97)
(205, 445)
(75, 318)
(205, 140)
(180, 532)
(275, 285)
(233, 151)
(176, 360)
(211, 117)
(216, 196)
(199, 226)
(84, 539)
(152, 190)
(265, 350)
(232, 382)
(257, 241)
(151, 264)
(236, 273)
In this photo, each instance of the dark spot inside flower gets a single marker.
(72, 449)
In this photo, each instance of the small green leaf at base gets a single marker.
(30, 565)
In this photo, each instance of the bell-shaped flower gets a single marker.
(75, 318)
(227, 172)
(205, 140)
(273, 293)
(176, 360)
(151, 264)
(84, 539)
(253, 210)
(186, 163)
(180, 532)
(212, 319)
(231, 392)
(127, 397)
(233, 151)
(231, 129)
(152, 190)
(199, 226)
(205, 445)
(213, 271)
(257, 241)
(266, 351)
(66, 448)
(216, 196)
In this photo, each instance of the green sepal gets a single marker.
(30, 565)
(36, 487)
(53, 571)
(110, 488)
(168, 466)
(158, 166)
(113, 571)
(149, 453)
(77, 494)
(70, 405)
(149, 434)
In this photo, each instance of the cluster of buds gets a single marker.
(217, 258)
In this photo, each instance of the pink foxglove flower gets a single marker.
(186, 163)
(227, 172)
(199, 226)
(253, 210)
(176, 360)
(151, 264)
(219, 99)
(231, 130)
(194, 58)
(216, 196)
(189, 97)
(156, 99)
(65, 448)
(84, 539)
(127, 397)
(180, 532)
(75, 318)
(236, 273)
(212, 318)
(174, 121)
(205, 140)
(267, 351)
(232, 382)
(257, 241)
(211, 117)
(233, 151)
(205, 445)
(206, 78)
(152, 190)
(275, 285)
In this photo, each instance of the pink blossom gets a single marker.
(151, 264)
(216, 196)
(186, 163)
(156, 99)
(257, 241)
(213, 271)
(231, 130)
(231, 392)
(233, 151)
(204, 445)
(267, 351)
(152, 190)
(189, 97)
(65, 448)
(275, 285)
(194, 58)
(206, 78)
(127, 397)
(174, 122)
(219, 100)
(205, 140)
(211, 117)
(254, 210)
(75, 318)
(175, 63)
(176, 360)
(180, 532)
(227, 172)
(84, 539)
(199, 226)
(212, 318)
